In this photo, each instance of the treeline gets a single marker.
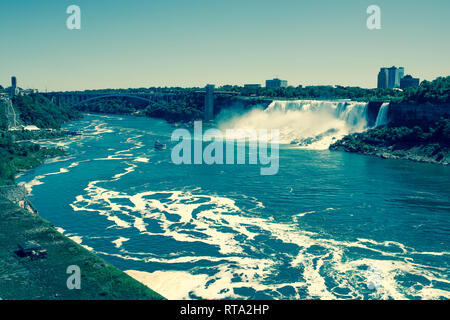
(183, 107)
(113, 106)
(299, 92)
(433, 139)
(436, 91)
(436, 132)
(319, 92)
(37, 110)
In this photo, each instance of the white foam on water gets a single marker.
(101, 129)
(37, 180)
(58, 159)
(304, 214)
(118, 242)
(142, 159)
(118, 222)
(60, 230)
(75, 238)
(127, 171)
(224, 225)
(173, 285)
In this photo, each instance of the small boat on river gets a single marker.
(159, 145)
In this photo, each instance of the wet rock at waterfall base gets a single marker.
(304, 142)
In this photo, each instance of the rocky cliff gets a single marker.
(402, 113)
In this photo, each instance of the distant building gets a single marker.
(276, 83)
(13, 87)
(252, 86)
(408, 82)
(390, 77)
(395, 75)
(26, 92)
(31, 128)
(383, 77)
(399, 75)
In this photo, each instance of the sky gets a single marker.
(152, 43)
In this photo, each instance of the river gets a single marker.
(328, 225)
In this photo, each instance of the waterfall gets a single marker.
(309, 124)
(382, 117)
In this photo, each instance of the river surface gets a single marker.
(329, 225)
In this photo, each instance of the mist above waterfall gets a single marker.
(309, 124)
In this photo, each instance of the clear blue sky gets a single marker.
(143, 43)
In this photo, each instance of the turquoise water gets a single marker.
(328, 225)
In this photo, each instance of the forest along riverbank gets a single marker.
(429, 142)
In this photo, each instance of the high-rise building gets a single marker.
(408, 82)
(383, 76)
(390, 77)
(276, 83)
(13, 86)
(393, 75)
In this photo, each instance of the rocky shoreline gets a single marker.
(418, 153)
(362, 143)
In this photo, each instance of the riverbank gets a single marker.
(429, 142)
(419, 153)
(46, 278)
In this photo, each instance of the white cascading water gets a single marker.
(382, 118)
(310, 124)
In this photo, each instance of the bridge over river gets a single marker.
(77, 98)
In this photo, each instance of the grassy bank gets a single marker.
(23, 278)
